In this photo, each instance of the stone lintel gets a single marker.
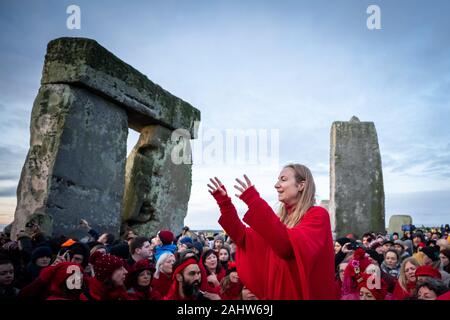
(84, 62)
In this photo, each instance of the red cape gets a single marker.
(277, 262)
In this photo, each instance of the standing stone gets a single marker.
(356, 179)
(397, 221)
(76, 163)
(75, 167)
(156, 189)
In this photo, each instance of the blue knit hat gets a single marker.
(185, 240)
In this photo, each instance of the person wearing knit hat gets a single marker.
(424, 272)
(218, 243)
(431, 255)
(339, 243)
(369, 289)
(167, 245)
(399, 246)
(139, 281)
(198, 248)
(166, 237)
(40, 258)
(79, 253)
(109, 280)
(183, 243)
(186, 281)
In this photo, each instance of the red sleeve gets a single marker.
(229, 219)
(261, 218)
(314, 253)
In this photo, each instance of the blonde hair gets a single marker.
(419, 257)
(305, 199)
(159, 263)
(402, 277)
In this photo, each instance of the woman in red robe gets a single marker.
(286, 256)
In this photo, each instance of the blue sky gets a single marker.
(295, 66)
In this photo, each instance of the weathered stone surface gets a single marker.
(75, 167)
(83, 61)
(76, 162)
(396, 222)
(356, 179)
(156, 189)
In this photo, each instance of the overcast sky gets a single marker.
(292, 66)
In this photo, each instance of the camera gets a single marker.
(408, 227)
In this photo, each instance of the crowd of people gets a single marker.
(189, 266)
(276, 256)
(387, 267)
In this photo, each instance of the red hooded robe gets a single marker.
(277, 262)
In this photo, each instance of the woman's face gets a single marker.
(223, 255)
(391, 259)
(167, 265)
(425, 293)
(211, 262)
(118, 276)
(287, 187)
(144, 278)
(342, 267)
(337, 247)
(43, 262)
(365, 294)
(444, 260)
(234, 277)
(410, 272)
(218, 244)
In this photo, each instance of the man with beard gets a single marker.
(186, 281)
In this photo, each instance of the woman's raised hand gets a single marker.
(217, 185)
(243, 185)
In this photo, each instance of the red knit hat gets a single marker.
(378, 293)
(142, 265)
(428, 271)
(166, 236)
(105, 265)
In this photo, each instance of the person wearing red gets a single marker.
(284, 257)
(138, 281)
(66, 281)
(212, 272)
(186, 281)
(369, 290)
(109, 280)
(231, 286)
(406, 285)
(162, 279)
